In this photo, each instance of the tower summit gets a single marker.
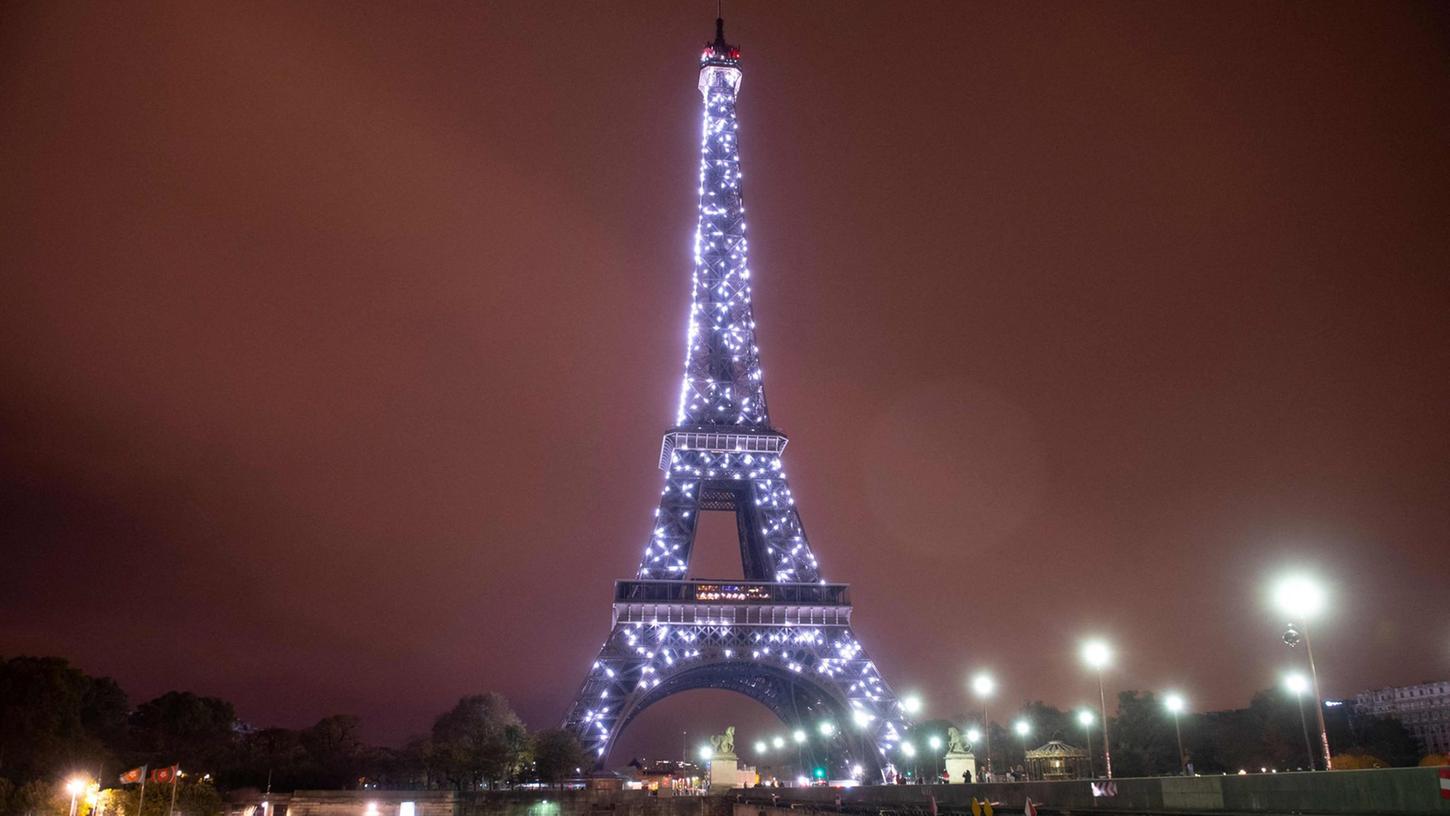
(722, 363)
(782, 635)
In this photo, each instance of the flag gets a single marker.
(1445, 783)
(164, 775)
(1029, 809)
(133, 776)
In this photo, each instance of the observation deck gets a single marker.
(731, 602)
(721, 440)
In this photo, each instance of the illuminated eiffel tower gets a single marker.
(782, 636)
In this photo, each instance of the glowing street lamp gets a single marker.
(935, 742)
(1302, 598)
(1175, 705)
(707, 753)
(1022, 727)
(984, 686)
(760, 746)
(777, 742)
(1085, 719)
(1297, 684)
(1097, 654)
(827, 728)
(799, 736)
(973, 735)
(911, 703)
(74, 786)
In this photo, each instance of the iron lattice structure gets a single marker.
(783, 635)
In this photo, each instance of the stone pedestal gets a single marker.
(724, 772)
(956, 763)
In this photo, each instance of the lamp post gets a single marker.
(983, 686)
(74, 787)
(1022, 727)
(1175, 705)
(1297, 685)
(1096, 654)
(800, 756)
(910, 751)
(935, 742)
(1085, 719)
(1303, 598)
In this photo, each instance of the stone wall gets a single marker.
(482, 803)
(1390, 791)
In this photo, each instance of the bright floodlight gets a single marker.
(798, 736)
(1096, 653)
(760, 746)
(1085, 718)
(983, 685)
(1299, 596)
(908, 749)
(861, 718)
(706, 752)
(1021, 727)
(827, 729)
(911, 703)
(934, 742)
(778, 742)
(1174, 703)
(973, 735)
(1296, 683)
(74, 786)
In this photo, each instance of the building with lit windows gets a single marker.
(1424, 710)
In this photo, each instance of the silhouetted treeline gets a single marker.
(56, 722)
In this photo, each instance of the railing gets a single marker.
(731, 592)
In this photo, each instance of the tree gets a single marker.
(335, 754)
(1357, 761)
(1051, 723)
(269, 755)
(1383, 737)
(479, 741)
(1143, 739)
(179, 727)
(54, 717)
(557, 755)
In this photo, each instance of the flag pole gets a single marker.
(175, 778)
(141, 800)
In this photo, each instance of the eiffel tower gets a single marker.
(782, 636)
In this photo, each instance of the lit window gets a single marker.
(405, 809)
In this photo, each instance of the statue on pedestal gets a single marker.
(956, 744)
(723, 745)
(960, 762)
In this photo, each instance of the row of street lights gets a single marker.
(1298, 596)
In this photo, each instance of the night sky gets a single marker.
(337, 339)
